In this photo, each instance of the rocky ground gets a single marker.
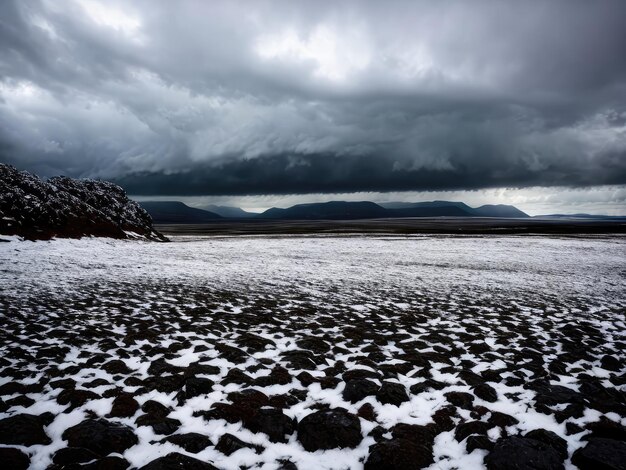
(504, 353)
(38, 209)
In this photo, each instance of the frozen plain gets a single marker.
(436, 314)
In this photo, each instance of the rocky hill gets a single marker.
(68, 208)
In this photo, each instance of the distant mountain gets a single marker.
(423, 205)
(229, 211)
(459, 209)
(175, 212)
(500, 210)
(369, 210)
(335, 210)
(581, 216)
(68, 208)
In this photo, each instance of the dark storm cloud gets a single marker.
(295, 97)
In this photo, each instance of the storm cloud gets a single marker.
(228, 98)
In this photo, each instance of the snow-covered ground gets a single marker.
(435, 314)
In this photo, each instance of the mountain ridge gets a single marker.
(332, 210)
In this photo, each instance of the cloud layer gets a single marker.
(228, 98)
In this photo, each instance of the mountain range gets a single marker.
(175, 212)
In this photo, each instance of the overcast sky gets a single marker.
(288, 101)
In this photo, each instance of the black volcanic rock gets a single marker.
(357, 389)
(14, 459)
(68, 208)
(399, 454)
(23, 429)
(101, 436)
(516, 453)
(601, 454)
(329, 429)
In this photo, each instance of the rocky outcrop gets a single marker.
(68, 208)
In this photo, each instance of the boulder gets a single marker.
(192, 442)
(392, 393)
(13, 459)
(601, 454)
(124, 406)
(23, 429)
(357, 389)
(552, 439)
(101, 436)
(329, 429)
(229, 444)
(517, 453)
(273, 422)
(399, 454)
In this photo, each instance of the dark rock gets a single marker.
(392, 393)
(471, 378)
(471, 427)
(192, 442)
(273, 422)
(359, 374)
(195, 386)
(111, 462)
(159, 424)
(13, 459)
(552, 439)
(399, 454)
(116, 366)
(601, 454)
(611, 363)
(477, 441)
(237, 376)
(426, 385)
(460, 399)
(486, 392)
(72, 455)
(22, 400)
(176, 461)
(278, 376)
(606, 429)
(229, 444)
(76, 398)
(329, 429)
(124, 406)
(286, 465)
(442, 418)
(502, 420)
(62, 383)
(357, 389)
(155, 408)
(249, 397)
(516, 453)
(573, 428)
(23, 429)
(367, 412)
(306, 379)
(551, 395)
(413, 432)
(68, 208)
(315, 344)
(101, 436)
(300, 360)
(165, 383)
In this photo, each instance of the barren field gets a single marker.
(313, 352)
